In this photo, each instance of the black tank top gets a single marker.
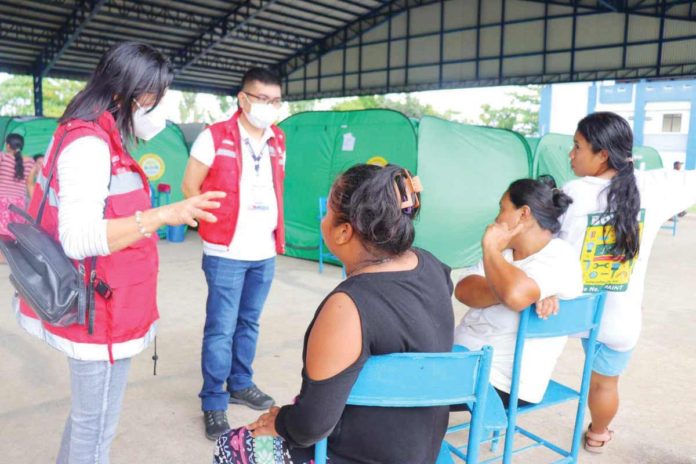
(402, 311)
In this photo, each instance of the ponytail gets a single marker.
(16, 144)
(610, 132)
(623, 205)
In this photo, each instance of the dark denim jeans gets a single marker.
(237, 291)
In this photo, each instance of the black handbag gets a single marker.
(44, 276)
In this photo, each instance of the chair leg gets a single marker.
(496, 441)
(320, 452)
(321, 256)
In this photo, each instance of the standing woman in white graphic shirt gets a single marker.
(610, 186)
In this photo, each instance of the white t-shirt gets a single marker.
(556, 270)
(254, 238)
(663, 193)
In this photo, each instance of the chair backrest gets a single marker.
(578, 315)
(575, 316)
(421, 379)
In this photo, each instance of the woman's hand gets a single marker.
(498, 236)
(265, 424)
(190, 210)
(547, 307)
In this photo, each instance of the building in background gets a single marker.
(661, 113)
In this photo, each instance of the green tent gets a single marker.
(533, 142)
(552, 157)
(37, 133)
(322, 144)
(164, 158)
(464, 170)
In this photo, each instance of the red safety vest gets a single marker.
(225, 174)
(125, 324)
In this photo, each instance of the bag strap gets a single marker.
(17, 210)
(51, 171)
(92, 281)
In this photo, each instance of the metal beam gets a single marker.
(82, 14)
(633, 73)
(38, 94)
(356, 28)
(236, 21)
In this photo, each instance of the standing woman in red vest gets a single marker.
(99, 205)
(244, 157)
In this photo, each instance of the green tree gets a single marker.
(521, 114)
(301, 105)
(410, 106)
(226, 103)
(17, 95)
(190, 111)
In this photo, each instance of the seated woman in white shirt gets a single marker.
(522, 263)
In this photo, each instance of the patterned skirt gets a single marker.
(7, 216)
(239, 447)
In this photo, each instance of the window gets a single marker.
(671, 123)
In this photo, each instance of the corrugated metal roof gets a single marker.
(348, 47)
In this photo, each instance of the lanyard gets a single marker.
(254, 156)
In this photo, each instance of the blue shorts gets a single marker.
(608, 362)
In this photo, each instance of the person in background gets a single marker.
(678, 165)
(243, 156)
(522, 263)
(33, 174)
(99, 205)
(396, 299)
(14, 169)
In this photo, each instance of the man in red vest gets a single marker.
(243, 156)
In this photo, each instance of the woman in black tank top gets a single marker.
(395, 299)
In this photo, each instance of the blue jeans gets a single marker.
(237, 291)
(97, 389)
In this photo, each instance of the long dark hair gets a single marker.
(546, 202)
(609, 131)
(125, 72)
(16, 143)
(365, 197)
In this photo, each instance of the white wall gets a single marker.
(568, 106)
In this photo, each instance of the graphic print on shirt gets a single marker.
(601, 271)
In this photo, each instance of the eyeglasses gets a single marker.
(275, 102)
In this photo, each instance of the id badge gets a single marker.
(260, 195)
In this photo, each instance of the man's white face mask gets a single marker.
(148, 124)
(261, 115)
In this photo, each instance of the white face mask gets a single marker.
(261, 115)
(147, 125)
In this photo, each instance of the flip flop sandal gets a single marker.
(602, 438)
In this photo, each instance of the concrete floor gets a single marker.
(161, 420)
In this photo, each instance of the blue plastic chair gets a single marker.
(671, 225)
(160, 195)
(575, 316)
(323, 252)
(423, 380)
